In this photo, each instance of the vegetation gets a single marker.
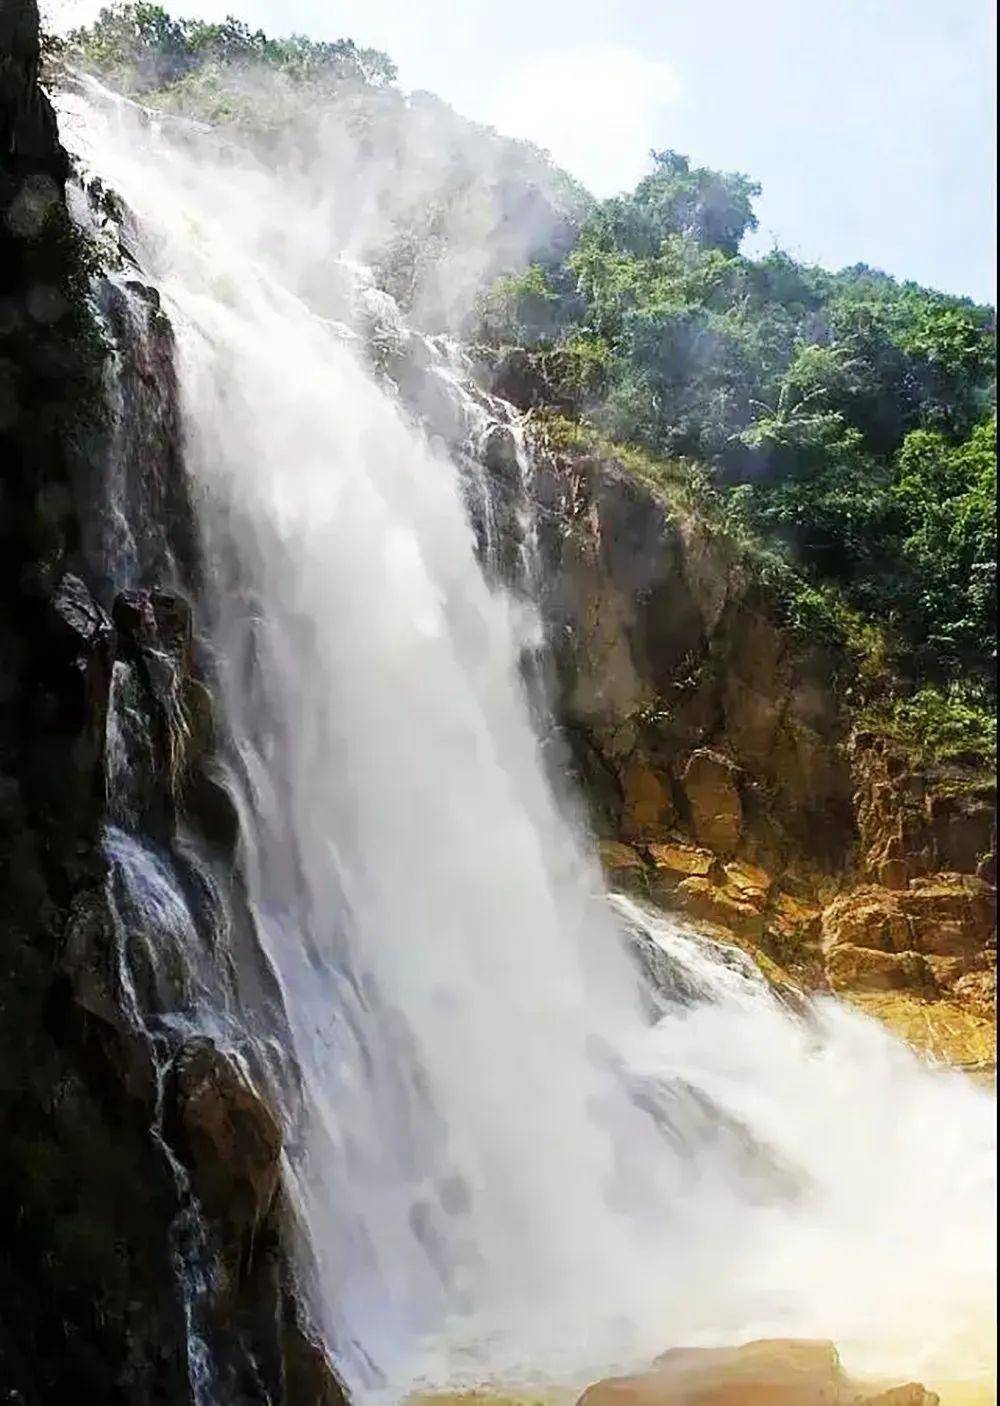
(957, 722)
(143, 50)
(842, 423)
(840, 427)
(436, 229)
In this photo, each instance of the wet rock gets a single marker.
(310, 1377)
(675, 861)
(229, 1139)
(155, 621)
(624, 866)
(500, 454)
(938, 1028)
(79, 656)
(132, 613)
(713, 796)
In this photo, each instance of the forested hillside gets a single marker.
(845, 420)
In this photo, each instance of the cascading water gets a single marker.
(503, 1164)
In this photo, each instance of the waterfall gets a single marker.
(534, 1133)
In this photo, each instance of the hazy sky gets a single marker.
(869, 123)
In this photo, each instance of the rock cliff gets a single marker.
(134, 1160)
(728, 779)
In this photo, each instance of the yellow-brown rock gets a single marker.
(623, 865)
(915, 820)
(942, 1031)
(851, 968)
(750, 881)
(795, 919)
(647, 808)
(773, 1372)
(726, 907)
(977, 991)
(921, 960)
(945, 920)
(675, 861)
(714, 800)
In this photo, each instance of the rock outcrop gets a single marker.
(726, 781)
(779, 1372)
(230, 1140)
(106, 721)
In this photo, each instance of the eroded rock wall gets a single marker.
(134, 1159)
(726, 779)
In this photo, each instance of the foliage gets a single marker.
(145, 49)
(954, 722)
(844, 417)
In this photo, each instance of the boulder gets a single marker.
(723, 907)
(851, 968)
(772, 1372)
(623, 866)
(752, 883)
(647, 807)
(927, 936)
(714, 799)
(310, 1377)
(794, 919)
(79, 657)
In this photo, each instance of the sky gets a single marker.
(870, 124)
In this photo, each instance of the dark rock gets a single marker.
(310, 1377)
(230, 1141)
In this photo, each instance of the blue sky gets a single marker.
(869, 123)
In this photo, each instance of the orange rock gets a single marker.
(712, 794)
(940, 1030)
(676, 861)
(978, 992)
(794, 918)
(775, 1372)
(867, 917)
(851, 968)
(648, 807)
(726, 907)
(749, 880)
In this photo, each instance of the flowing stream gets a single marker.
(515, 1152)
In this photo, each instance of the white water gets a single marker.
(503, 1168)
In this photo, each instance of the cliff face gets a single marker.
(81, 1185)
(726, 778)
(142, 1221)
